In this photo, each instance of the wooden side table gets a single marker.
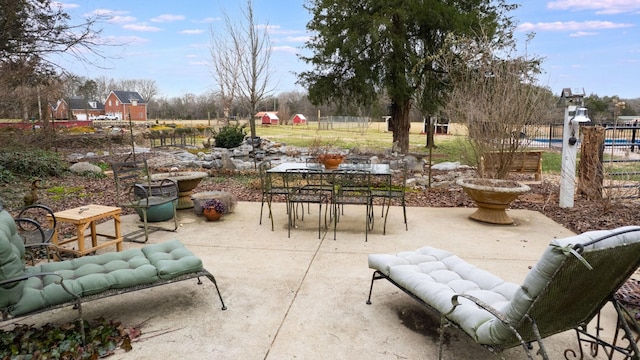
(86, 216)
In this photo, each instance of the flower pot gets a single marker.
(331, 161)
(493, 197)
(211, 214)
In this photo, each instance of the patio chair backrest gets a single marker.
(573, 280)
(132, 181)
(11, 259)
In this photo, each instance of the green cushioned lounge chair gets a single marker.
(27, 290)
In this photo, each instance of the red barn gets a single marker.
(299, 119)
(269, 118)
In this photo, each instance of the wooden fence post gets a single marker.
(591, 176)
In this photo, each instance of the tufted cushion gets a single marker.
(435, 276)
(172, 259)
(84, 276)
(11, 259)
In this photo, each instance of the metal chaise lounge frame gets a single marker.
(30, 290)
(574, 279)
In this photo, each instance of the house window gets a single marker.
(110, 103)
(117, 103)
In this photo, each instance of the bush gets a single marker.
(230, 136)
(32, 163)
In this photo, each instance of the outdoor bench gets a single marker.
(572, 281)
(529, 161)
(27, 290)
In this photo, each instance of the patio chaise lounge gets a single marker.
(565, 290)
(27, 290)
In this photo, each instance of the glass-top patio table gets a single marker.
(373, 169)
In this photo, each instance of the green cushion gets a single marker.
(172, 259)
(11, 259)
(84, 276)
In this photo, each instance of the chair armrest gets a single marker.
(46, 209)
(23, 223)
(40, 275)
(500, 316)
(50, 249)
(169, 192)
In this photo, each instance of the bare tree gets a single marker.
(226, 67)
(249, 44)
(494, 93)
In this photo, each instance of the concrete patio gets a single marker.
(304, 298)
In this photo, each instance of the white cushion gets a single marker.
(435, 276)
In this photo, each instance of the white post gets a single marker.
(569, 155)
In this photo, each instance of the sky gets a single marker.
(586, 44)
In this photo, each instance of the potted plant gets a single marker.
(213, 209)
(327, 155)
(494, 93)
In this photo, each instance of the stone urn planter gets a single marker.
(493, 197)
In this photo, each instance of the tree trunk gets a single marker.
(430, 130)
(591, 176)
(400, 125)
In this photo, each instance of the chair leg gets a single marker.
(261, 207)
(404, 212)
(319, 218)
(384, 227)
(289, 220)
(335, 219)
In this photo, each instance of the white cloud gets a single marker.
(168, 18)
(208, 20)
(192, 32)
(121, 19)
(129, 40)
(285, 49)
(199, 63)
(600, 6)
(141, 27)
(107, 12)
(572, 26)
(583, 33)
(62, 5)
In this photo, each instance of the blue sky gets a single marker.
(590, 44)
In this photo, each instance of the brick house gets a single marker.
(123, 104)
(76, 108)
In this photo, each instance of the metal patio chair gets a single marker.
(352, 187)
(389, 192)
(306, 186)
(270, 186)
(153, 201)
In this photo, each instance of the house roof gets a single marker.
(300, 116)
(270, 115)
(126, 97)
(79, 103)
(262, 113)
